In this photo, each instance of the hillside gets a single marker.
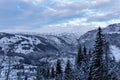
(112, 35)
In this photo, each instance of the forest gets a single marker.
(95, 64)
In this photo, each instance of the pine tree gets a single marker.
(79, 57)
(96, 70)
(47, 73)
(68, 72)
(52, 72)
(85, 51)
(58, 70)
(85, 55)
(26, 77)
(38, 75)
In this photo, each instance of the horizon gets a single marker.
(45, 15)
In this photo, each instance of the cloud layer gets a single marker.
(33, 15)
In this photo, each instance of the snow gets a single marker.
(113, 32)
(115, 51)
(63, 61)
(20, 50)
(13, 72)
(53, 38)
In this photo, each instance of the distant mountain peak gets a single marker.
(113, 28)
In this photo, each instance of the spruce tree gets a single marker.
(26, 78)
(85, 55)
(85, 51)
(38, 73)
(52, 72)
(47, 73)
(68, 72)
(96, 70)
(58, 70)
(79, 57)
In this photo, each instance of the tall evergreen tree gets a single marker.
(85, 51)
(38, 74)
(85, 55)
(79, 57)
(58, 70)
(26, 77)
(96, 70)
(47, 72)
(68, 72)
(52, 72)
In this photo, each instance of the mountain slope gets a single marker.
(37, 46)
(112, 35)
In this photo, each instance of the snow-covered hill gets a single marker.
(30, 50)
(37, 46)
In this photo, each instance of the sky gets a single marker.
(37, 15)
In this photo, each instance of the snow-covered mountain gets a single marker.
(37, 46)
(112, 34)
(65, 29)
(36, 49)
(41, 45)
(31, 50)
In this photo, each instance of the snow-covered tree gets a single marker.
(97, 67)
(47, 71)
(79, 57)
(52, 72)
(59, 72)
(68, 73)
(85, 51)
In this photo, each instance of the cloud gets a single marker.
(101, 1)
(34, 1)
(30, 15)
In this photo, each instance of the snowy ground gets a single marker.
(115, 51)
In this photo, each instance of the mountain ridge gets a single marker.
(37, 46)
(29, 44)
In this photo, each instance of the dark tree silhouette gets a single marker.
(79, 57)
(52, 72)
(68, 73)
(59, 70)
(96, 70)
